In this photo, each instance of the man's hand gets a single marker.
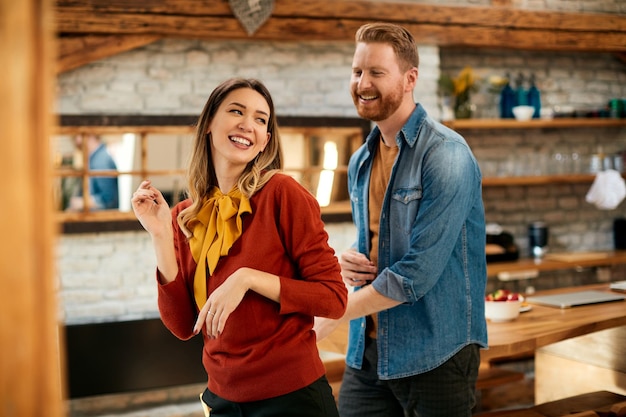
(356, 269)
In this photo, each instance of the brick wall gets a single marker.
(110, 276)
(176, 77)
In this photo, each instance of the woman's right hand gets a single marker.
(151, 209)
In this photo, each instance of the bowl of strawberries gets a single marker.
(502, 305)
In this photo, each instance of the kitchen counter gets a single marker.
(542, 326)
(556, 261)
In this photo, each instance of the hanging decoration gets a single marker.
(252, 13)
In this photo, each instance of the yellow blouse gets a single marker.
(217, 226)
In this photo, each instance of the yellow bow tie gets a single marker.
(217, 226)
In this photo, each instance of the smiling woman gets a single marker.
(214, 278)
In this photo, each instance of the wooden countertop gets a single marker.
(531, 330)
(557, 261)
(542, 326)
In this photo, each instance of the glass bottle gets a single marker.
(521, 92)
(534, 97)
(507, 100)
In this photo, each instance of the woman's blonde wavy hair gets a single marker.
(201, 177)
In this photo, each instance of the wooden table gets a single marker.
(546, 325)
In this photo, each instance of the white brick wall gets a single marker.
(176, 77)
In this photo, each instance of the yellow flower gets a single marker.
(464, 81)
(459, 86)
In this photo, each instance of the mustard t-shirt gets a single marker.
(379, 179)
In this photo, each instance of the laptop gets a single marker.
(573, 299)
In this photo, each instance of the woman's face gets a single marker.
(239, 129)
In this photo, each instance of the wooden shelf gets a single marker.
(539, 180)
(95, 216)
(557, 123)
(555, 262)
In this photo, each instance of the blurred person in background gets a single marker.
(103, 191)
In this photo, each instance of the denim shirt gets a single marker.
(431, 254)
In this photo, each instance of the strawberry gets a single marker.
(513, 297)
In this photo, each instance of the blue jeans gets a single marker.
(448, 390)
(315, 400)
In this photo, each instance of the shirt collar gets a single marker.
(407, 134)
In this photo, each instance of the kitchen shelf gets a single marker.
(555, 262)
(556, 123)
(539, 180)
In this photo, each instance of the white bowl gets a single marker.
(501, 311)
(523, 113)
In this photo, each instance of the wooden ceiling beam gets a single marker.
(113, 26)
(75, 51)
(505, 17)
(303, 29)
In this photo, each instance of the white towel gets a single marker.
(608, 190)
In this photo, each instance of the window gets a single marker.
(316, 153)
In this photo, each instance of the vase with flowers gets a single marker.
(464, 84)
(461, 89)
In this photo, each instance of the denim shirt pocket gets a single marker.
(404, 206)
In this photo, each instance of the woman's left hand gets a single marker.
(221, 303)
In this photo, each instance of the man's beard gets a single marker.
(384, 108)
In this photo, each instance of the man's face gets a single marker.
(377, 83)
